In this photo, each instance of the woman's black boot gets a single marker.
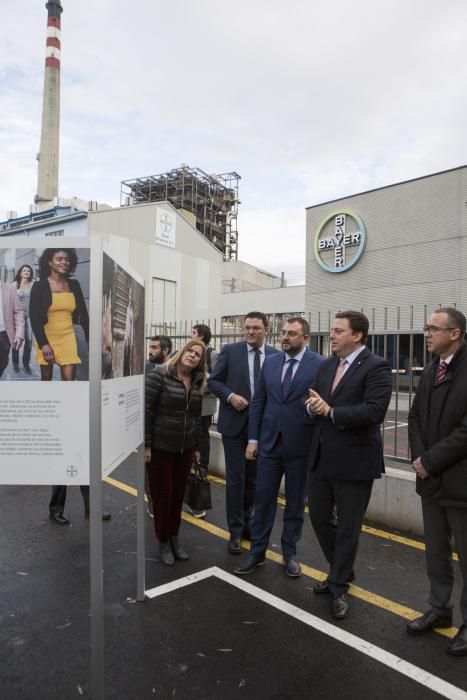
(179, 553)
(165, 554)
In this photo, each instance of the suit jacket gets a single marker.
(438, 431)
(271, 415)
(12, 312)
(349, 446)
(231, 375)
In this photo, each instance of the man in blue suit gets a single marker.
(280, 432)
(233, 380)
(350, 399)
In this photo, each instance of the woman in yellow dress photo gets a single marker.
(57, 304)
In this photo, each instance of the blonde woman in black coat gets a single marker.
(173, 408)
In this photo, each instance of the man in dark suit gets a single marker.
(350, 399)
(438, 443)
(281, 430)
(160, 347)
(233, 381)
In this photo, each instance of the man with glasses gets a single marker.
(280, 433)
(233, 381)
(438, 443)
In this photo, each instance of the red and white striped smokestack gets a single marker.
(47, 183)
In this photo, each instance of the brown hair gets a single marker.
(358, 322)
(258, 315)
(302, 321)
(455, 317)
(173, 362)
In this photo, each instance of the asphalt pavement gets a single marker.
(203, 632)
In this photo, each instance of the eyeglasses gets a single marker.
(436, 329)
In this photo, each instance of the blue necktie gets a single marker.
(288, 376)
(256, 365)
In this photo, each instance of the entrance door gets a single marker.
(164, 295)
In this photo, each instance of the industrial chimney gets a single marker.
(47, 184)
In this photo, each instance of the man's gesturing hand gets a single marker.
(317, 405)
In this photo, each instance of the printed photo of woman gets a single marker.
(23, 283)
(56, 305)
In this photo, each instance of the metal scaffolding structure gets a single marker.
(211, 199)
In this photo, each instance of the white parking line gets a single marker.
(413, 672)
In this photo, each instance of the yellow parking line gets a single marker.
(365, 528)
(120, 485)
(357, 592)
(123, 487)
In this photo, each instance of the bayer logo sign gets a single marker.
(339, 241)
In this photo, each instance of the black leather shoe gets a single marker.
(323, 587)
(339, 606)
(105, 516)
(235, 545)
(458, 645)
(292, 567)
(165, 554)
(179, 553)
(58, 519)
(429, 621)
(251, 563)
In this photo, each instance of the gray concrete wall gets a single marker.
(269, 301)
(195, 265)
(393, 503)
(415, 252)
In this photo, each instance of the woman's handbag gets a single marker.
(198, 490)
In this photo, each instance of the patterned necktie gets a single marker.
(288, 376)
(256, 365)
(442, 367)
(339, 373)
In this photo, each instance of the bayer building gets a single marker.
(395, 252)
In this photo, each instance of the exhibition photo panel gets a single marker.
(44, 301)
(44, 363)
(123, 352)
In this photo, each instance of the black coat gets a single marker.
(438, 431)
(41, 300)
(349, 446)
(172, 419)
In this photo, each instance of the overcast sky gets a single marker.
(307, 101)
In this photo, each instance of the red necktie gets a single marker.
(440, 374)
(288, 376)
(338, 375)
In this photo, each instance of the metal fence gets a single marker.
(405, 350)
